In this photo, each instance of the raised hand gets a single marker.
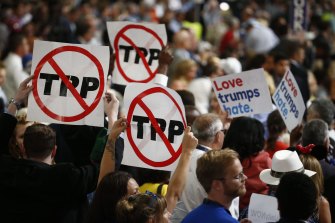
(23, 90)
(111, 105)
(189, 142)
(119, 126)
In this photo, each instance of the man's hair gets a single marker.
(213, 165)
(206, 126)
(325, 110)
(39, 140)
(297, 196)
(314, 132)
(82, 28)
(279, 56)
(293, 48)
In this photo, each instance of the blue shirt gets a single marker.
(209, 212)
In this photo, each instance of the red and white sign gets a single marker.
(69, 82)
(136, 47)
(157, 121)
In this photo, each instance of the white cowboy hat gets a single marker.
(283, 161)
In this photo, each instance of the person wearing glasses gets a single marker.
(221, 175)
(208, 129)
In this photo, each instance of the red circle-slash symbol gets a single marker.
(121, 34)
(49, 58)
(139, 101)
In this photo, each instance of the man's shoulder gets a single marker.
(209, 213)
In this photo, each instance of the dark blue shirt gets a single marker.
(209, 212)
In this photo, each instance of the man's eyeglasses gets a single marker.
(239, 177)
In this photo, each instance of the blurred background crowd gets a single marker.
(208, 38)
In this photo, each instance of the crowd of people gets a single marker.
(68, 173)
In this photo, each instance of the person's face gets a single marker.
(2, 76)
(132, 187)
(281, 66)
(234, 181)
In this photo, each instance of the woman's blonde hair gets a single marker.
(311, 163)
(183, 67)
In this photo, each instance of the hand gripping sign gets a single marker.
(243, 94)
(289, 101)
(136, 47)
(157, 121)
(68, 83)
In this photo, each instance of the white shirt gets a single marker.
(201, 88)
(260, 39)
(15, 74)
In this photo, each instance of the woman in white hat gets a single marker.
(287, 161)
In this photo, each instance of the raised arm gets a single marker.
(115, 127)
(178, 179)
(8, 120)
(21, 94)
(164, 60)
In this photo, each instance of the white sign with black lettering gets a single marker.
(68, 84)
(157, 121)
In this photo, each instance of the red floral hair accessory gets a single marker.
(306, 149)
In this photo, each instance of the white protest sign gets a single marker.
(136, 47)
(263, 208)
(243, 94)
(156, 116)
(68, 84)
(289, 101)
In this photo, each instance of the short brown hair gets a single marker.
(213, 165)
(39, 140)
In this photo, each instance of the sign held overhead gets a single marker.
(69, 82)
(157, 121)
(136, 47)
